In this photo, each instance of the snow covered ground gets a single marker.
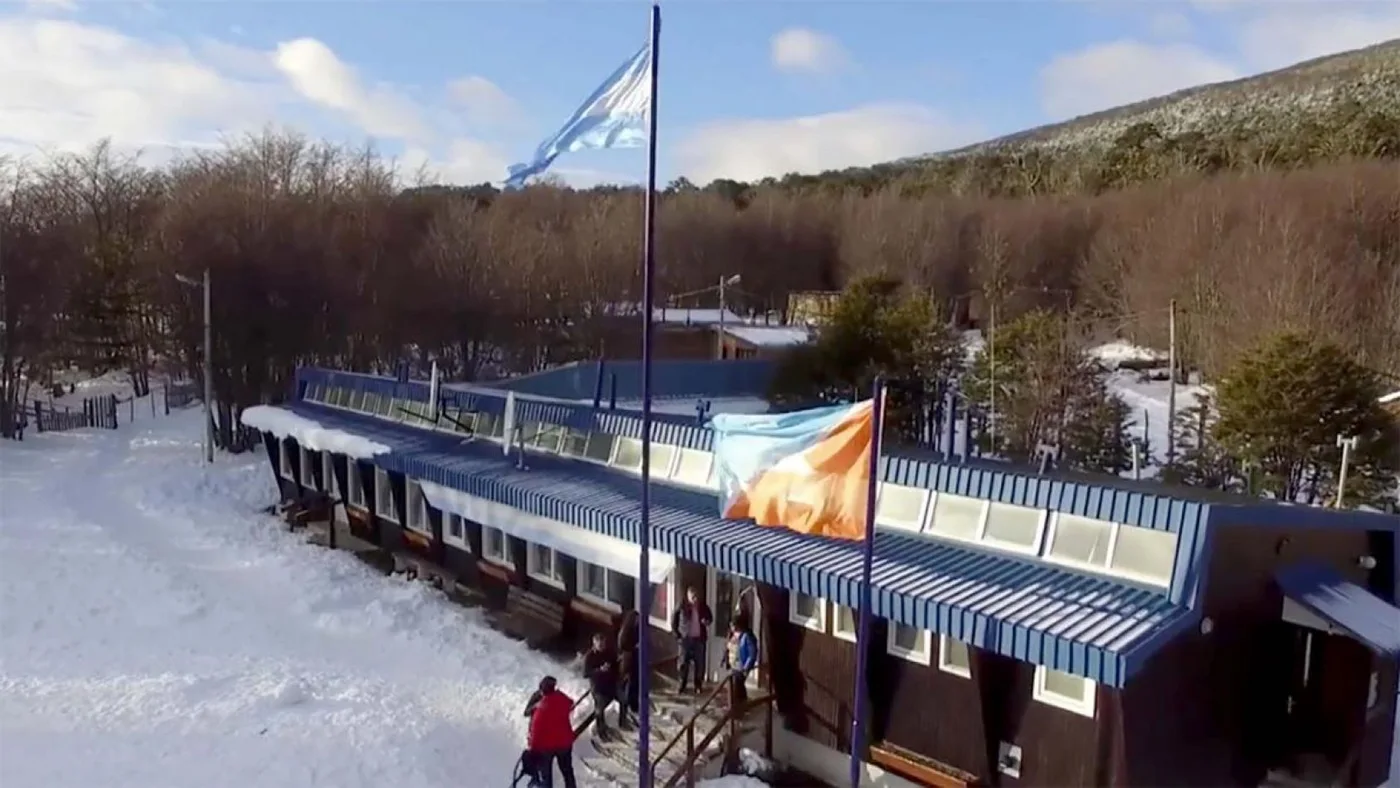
(156, 629)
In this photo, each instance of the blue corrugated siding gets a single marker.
(1084, 624)
(680, 378)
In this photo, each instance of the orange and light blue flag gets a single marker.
(808, 471)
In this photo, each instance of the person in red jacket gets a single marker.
(551, 734)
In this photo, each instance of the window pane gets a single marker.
(495, 543)
(356, 400)
(600, 446)
(805, 606)
(661, 456)
(542, 559)
(909, 638)
(1014, 525)
(1081, 539)
(693, 467)
(628, 453)
(574, 444)
(454, 526)
(622, 590)
(661, 601)
(955, 654)
(1145, 552)
(549, 437)
(845, 620)
(956, 517)
(900, 505)
(489, 425)
(594, 580)
(1065, 685)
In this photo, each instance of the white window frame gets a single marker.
(460, 542)
(965, 671)
(930, 514)
(1084, 708)
(581, 568)
(616, 447)
(816, 623)
(284, 461)
(837, 631)
(328, 473)
(709, 469)
(500, 559)
(553, 577)
(392, 513)
(1107, 569)
(417, 504)
(672, 589)
(1041, 530)
(308, 468)
(356, 496)
(924, 508)
(922, 656)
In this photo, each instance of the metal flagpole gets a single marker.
(867, 566)
(644, 533)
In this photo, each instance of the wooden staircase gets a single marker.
(692, 738)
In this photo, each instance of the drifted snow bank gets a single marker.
(310, 434)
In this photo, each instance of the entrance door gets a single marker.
(730, 596)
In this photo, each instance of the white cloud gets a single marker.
(483, 100)
(752, 149)
(800, 49)
(1259, 37)
(1122, 72)
(320, 76)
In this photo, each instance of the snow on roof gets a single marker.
(685, 316)
(686, 406)
(285, 424)
(1116, 353)
(1393, 396)
(770, 336)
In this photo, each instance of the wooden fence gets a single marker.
(96, 412)
(178, 395)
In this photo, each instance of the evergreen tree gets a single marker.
(876, 328)
(1048, 390)
(1201, 461)
(1282, 407)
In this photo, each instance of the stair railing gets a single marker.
(732, 718)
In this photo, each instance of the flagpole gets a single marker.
(866, 569)
(644, 533)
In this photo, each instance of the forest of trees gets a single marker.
(319, 255)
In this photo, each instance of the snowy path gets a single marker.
(157, 630)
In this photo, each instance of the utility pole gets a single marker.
(208, 372)
(1171, 386)
(1346, 444)
(992, 374)
(719, 340)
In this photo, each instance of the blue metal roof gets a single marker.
(1335, 599)
(1083, 624)
(670, 378)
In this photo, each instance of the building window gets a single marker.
(494, 546)
(1142, 554)
(599, 448)
(662, 599)
(956, 517)
(549, 437)
(909, 643)
(574, 444)
(356, 400)
(384, 496)
(1016, 528)
(807, 611)
(1064, 690)
(627, 454)
(542, 563)
(386, 407)
(662, 457)
(843, 622)
(954, 657)
(357, 484)
(308, 469)
(901, 507)
(693, 467)
(284, 461)
(454, 530)
(330, 484)
(605, 587)
(417, 508)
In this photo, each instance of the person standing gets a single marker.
(551, 738)
(628, 636)
(600, 666)
(740, 657)
(691, 626)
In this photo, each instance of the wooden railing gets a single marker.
(732, 719)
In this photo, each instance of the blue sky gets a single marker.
(747, 88)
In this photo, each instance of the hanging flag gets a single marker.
(615, 116)
(808, 471)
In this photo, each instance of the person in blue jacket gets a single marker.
(740, 657)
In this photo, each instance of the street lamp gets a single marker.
(208, 362)
(724, 281)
